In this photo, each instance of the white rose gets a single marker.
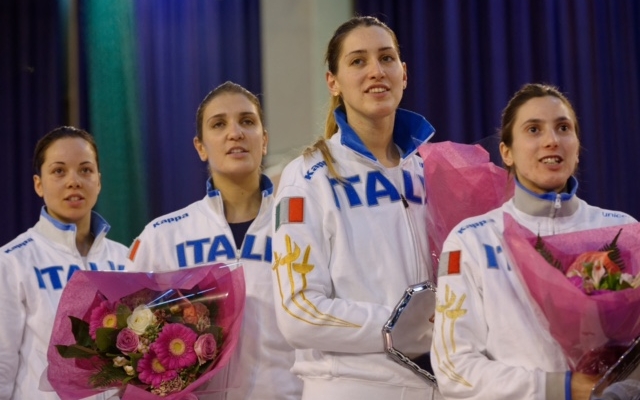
(129, 370)
(140, 319)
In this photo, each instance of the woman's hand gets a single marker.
(581, 385)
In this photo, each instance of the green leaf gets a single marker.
(588, 268)
(122, 313)
(80, 330)
(546, 254)
(135, 357)
(614, 251)
(106, 339)
(109, 375)
(613, 281)
(75, 351)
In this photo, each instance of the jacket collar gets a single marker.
(266, 186)
(549, 204)
(65, 234)
(409, 132)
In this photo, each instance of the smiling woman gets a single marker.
(540, 143)
(485, 316)
(349, 226)
(37, 265)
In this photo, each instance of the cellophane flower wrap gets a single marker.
(461, 182)
(593, 330)
(150, 335)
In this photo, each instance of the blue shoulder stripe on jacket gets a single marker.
(409, 132)
(266, 186)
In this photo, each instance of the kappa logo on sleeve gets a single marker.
(134, 249)
(290, 210)
(449, 263)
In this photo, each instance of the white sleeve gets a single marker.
(308, 313)
(141, 253)
(458, 352)
(13, 315)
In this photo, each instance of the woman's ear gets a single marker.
(404, 76)
(332, 84)
(37, 185)
(265, 141)
(507, 156)
(202, 152)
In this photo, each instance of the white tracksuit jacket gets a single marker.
(487, 341)
(199, 234)
(344, 253)
(35, 267)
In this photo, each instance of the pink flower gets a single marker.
(152, 372)
(205, 348)
(102, 316)
(174, 346)
(127, 341)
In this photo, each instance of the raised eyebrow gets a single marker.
(221, 115)
(56, 164)
(62, 163)
(539, 121)
(563, 119)
(224, 115)
(362, 51)
(248, 114)
(531, 121)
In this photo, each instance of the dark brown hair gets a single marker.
(227, 87)
(60, 133)
(526, 93)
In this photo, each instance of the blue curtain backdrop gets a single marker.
(181, 50)
(466, 58)
(32, 102)
(186, 48)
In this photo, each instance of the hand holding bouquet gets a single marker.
(150, 334)
(589, 309)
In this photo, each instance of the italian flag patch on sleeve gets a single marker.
(290, 210)
(449, 263)
(134, 250)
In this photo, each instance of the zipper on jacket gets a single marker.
(557, 204)
(404, 201)
(410, 225)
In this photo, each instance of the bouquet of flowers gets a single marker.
(460, 182)
(582, 282)
(149, 335)
(595, 272)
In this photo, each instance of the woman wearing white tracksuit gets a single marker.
(488, 341)
(349, 226)
(232, 223)
(37, 265)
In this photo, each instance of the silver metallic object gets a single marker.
(406, 333)
(622, 380)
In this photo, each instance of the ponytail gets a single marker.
(330, 129)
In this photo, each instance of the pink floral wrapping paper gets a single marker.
(68, 377)
(460, 182)
(584, 326)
